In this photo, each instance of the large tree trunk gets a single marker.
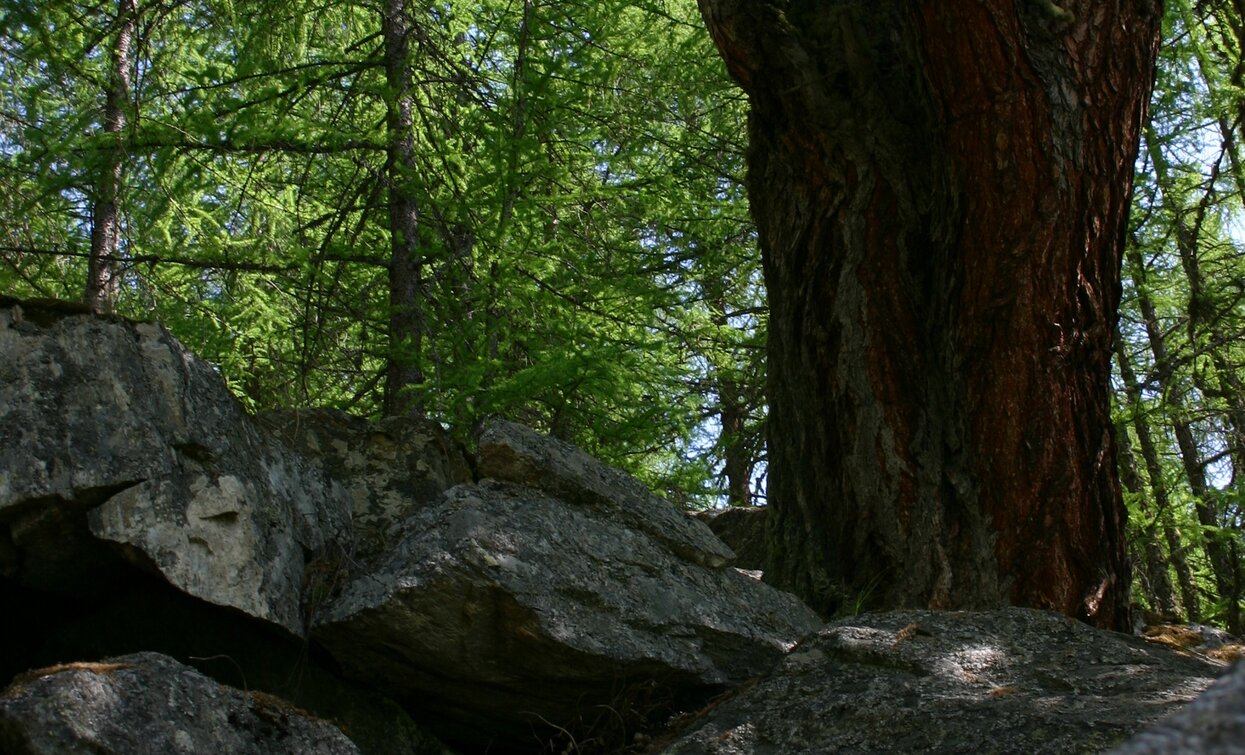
(941, 192)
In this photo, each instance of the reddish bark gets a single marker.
(941, 191)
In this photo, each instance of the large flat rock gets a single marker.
(1015, 680)
(511, 611)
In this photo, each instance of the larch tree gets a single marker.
(406, 321)
(102, 269)
(941, 192)
(1179, 356)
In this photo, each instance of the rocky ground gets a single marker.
(179, 576)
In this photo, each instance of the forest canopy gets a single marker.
(585, 259)
(537, 210)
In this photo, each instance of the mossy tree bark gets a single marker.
(941, 191)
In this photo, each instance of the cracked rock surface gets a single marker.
(1012, 680)
(505, 604)
(111, 431)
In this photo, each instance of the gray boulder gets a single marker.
(1213, 723)
(1014, 680)
(514, 453)
(509, 611)
(387, 467)
(110, 430)
(226, 645)
(149, 703)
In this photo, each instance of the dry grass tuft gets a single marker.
(26, 677)
(1173, 635)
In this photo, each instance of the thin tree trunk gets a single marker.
(941, 191)
(1155, 582)
(1230, 388)
(1190, 455)
(737, 459)
(518, 86)
(100, 293)
(732, 408)
(406, 263)
(1201, 327)
(1218, 378)
(1158, 491)
(495, 314)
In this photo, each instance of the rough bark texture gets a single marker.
(406, 264)
(941, 190)
(101, 283)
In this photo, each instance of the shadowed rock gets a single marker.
(508, 610)
(149, 703)
(1015, 680)
(114, 427)
(742, 528)
(1213, 723)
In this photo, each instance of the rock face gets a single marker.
(561, 591)
(119, 419)
(388, 468)
(1215, 722)
(509, 605)
(518, 454)
(1016, 680)
(742, 528)
(149, 703)
(532, 599)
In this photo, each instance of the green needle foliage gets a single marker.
(1182, 327)
(585, 261)
(583, 257)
